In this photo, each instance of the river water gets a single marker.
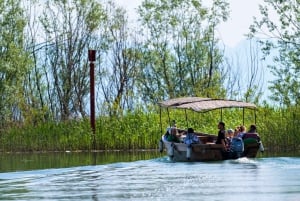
(150, 177)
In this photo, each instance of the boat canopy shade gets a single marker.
(180, 101)
(198, 104)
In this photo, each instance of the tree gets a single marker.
(14, 61)
(118, 62)
(69, 28)
(282, 38)
(181, 56)
(245, 74)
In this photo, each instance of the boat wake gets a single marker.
(244, 160)
(164, 159)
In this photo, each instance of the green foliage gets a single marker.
(14, 61)
(118, 59)
(180, 53)
(135, 130)
(64, 71)
(173, 53)
(50, 136)
(95, 14)
(278, 129)
(283, 38)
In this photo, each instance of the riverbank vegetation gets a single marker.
(171, 50)
(278, 129)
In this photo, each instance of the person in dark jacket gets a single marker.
(221, 135)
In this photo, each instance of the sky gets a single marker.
(241, 17)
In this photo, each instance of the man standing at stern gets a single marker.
(221, 135)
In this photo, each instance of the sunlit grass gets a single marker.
(137, 130)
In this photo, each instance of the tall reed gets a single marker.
(279, 130)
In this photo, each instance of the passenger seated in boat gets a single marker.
(229, 137)
(173, 135)
(166, 135)
(242, 131)
(236, 131)
(191, 137)
(252, 129)
(253, 137)
(251, 133)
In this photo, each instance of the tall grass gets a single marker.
(47, 136)
(133, 131)
(278, 128)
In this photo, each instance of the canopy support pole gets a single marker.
(243, 116)
(221, 113)
(160, 119)
(186, 120)
(169, 117)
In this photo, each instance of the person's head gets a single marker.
(253, 128)
(190, 130)
(230, 132)
(173, 131)
(221, 125)
(236, 130)
(242, 129)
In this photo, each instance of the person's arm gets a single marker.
(223, 143)
(196, 139)
(223, 140)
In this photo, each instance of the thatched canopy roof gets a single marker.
(199, 104)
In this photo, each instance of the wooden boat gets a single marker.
(208, 150)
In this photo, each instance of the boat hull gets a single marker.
(178, 152)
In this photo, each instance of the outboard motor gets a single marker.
(237, 147)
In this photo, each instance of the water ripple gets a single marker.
(159, 179)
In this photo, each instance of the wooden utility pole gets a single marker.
(92, 59)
